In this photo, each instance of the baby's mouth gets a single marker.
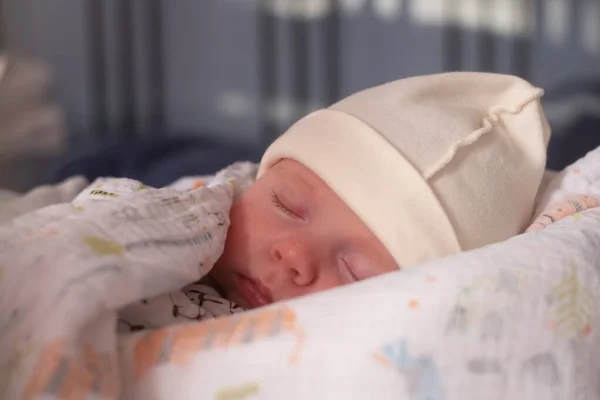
(253, 291)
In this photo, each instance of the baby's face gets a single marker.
(291, 235)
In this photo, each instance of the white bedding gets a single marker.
(516, 320)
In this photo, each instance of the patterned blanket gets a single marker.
(515, 320)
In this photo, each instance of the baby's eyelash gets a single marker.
(279, 204)
(347, 272)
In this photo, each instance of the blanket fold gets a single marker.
(516, 320)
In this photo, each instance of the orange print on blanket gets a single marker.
(84, 372)
(382, 360)
(49, 361)
(180, 344)
(52, 232)
(198, 184)
(262, 323)
(187, 341)
(147, 350)
(239, 333)
(557, 211)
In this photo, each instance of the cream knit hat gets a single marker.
(433, 165)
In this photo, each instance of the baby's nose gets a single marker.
(297, 257)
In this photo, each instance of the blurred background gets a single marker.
(157, 89)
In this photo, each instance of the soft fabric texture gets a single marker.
(96, 253)
(517, 320)
(197, 301)
(433, 165)
(557, 211)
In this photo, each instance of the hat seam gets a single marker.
(493, 115)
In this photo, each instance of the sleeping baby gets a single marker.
(390, 178)
(386, 179)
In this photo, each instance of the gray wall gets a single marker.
(211, 62)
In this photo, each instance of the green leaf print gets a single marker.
(238, 392)
(573, 306)
(104, 247)
(98, 192)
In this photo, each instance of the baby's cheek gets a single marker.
(246, 240)
(329, 280)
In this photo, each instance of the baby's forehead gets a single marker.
(287, 164)
(296, 175)
(288, 168)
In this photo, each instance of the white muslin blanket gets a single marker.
(516, 320)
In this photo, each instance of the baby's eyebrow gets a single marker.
(297, 181)
(299, 184)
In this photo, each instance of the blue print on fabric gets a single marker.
(421, 372)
